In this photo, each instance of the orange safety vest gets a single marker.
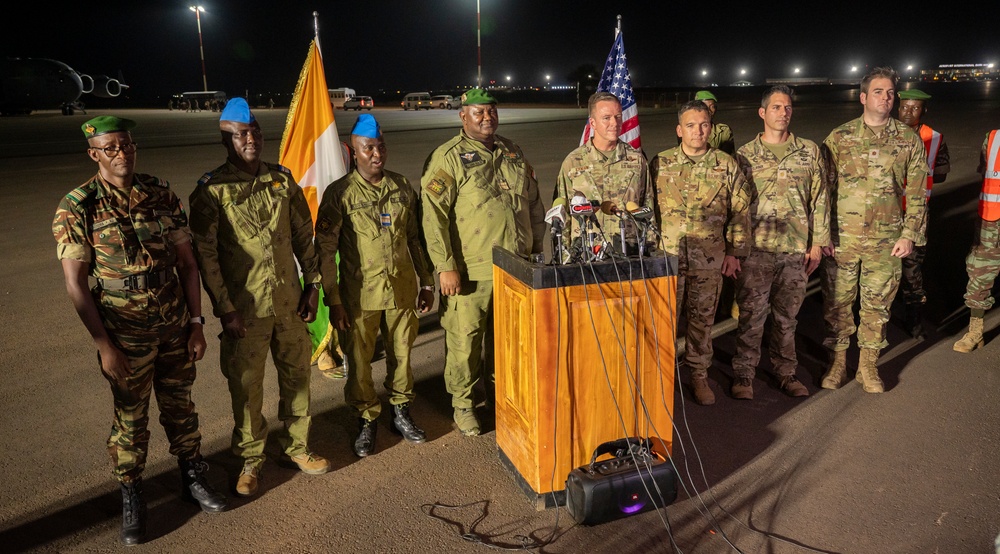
(989, 198)
(932, 144)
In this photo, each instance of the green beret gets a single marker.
(913, 94)
(477, 96)
(106, 124)
(705, 95)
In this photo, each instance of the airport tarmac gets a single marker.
(912, 470)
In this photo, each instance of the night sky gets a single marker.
(431, 45)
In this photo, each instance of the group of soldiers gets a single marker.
(766, 218)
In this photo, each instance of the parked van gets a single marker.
(417, 101)
(339, 95)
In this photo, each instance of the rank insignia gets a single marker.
(436, 187)
(469, 157)
(386, 220)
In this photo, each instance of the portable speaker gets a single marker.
(634, 481)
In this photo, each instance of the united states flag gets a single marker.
(616, 79)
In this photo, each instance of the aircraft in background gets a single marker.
(28, 84)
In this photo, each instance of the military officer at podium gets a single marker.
(478, 191)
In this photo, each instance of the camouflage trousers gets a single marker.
(151, 330)
(982, 265)
(697, 299)
(866, 266)
(399, 330)
(775, 282)
(467, 319)
(911, 286)
(243, 361)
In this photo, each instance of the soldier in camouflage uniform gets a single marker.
(912, 107)
(983, 261)
(871, 163)
(478, 192)
(129, 232)
(605, 169)
(702, 199)
(790, 215)
(722, 135)
(251, 223)
(371, 218)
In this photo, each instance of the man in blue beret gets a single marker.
(370, 217)
(129, 232)
(251, 224)
(478, 192)
(912, 107)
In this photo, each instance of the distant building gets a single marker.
(955, 72)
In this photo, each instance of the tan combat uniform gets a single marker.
(376, 231)
(789, 213)
(474, 199)
(123, 234)
(703, 218)
(620, 176)
(868, 175)
(250, 230)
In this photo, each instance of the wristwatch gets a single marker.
(200, 320)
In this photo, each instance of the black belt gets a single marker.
(139, 281)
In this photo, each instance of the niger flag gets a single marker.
(311, 150)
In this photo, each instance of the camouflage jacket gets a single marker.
(869, 175)
(789, 203)
(376, 231)
(249, 231)
(121, 233)
(621, 177)
(474, 199)
(702, 207)
(722, 138)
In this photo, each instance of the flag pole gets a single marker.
(618, 28)
(316, 28)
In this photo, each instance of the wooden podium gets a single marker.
(584, 354)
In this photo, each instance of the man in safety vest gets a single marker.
(912, 107)
(983, 261)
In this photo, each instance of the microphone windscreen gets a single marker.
(608, 207)
(559, 202)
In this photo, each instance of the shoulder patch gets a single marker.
(280, 168)
(205, 178)
(80, 193)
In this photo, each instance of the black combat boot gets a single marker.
(403, 424)
(364, 445)
(133, 513)
(913, 320)
(195, 488)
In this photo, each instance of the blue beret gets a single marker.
(366, 126)
(237, 110)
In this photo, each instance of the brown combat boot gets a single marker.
(868, 372)
(742, 388)
(973, 339)
(834, 377)
(702, 393)
(791, 386)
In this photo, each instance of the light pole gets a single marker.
(201, 48)
(479, 48)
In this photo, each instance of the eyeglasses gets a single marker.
(112, 151)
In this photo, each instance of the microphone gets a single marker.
(579, 206)
(640, 213)
(556, 216)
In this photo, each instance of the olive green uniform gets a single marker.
(722, 138)
(250, 230)
(376, 231)
(473, 200)
(867, 175)
(789, 213)
(703, 214)
(122, 234)
(619, 176)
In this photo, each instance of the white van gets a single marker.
(339, 95)
(417, 101)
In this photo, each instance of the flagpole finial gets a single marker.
(618, 28)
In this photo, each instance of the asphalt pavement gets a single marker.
(912, 470)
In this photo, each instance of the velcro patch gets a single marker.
(436, 187)
(470, 158)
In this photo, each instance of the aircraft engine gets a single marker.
(88, 83)
(106, 87)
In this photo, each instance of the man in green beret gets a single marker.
(912, 107)
(253, 230)
(722, 135)
(478, 191)
(128, 231)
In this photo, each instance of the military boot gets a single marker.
(404, 425)
(868, 372)
(467, 422)
(195, 488)
(133, 513)
(834, 377)
(913, 320)
(364, 444)
(703, 394)
(972, 339)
